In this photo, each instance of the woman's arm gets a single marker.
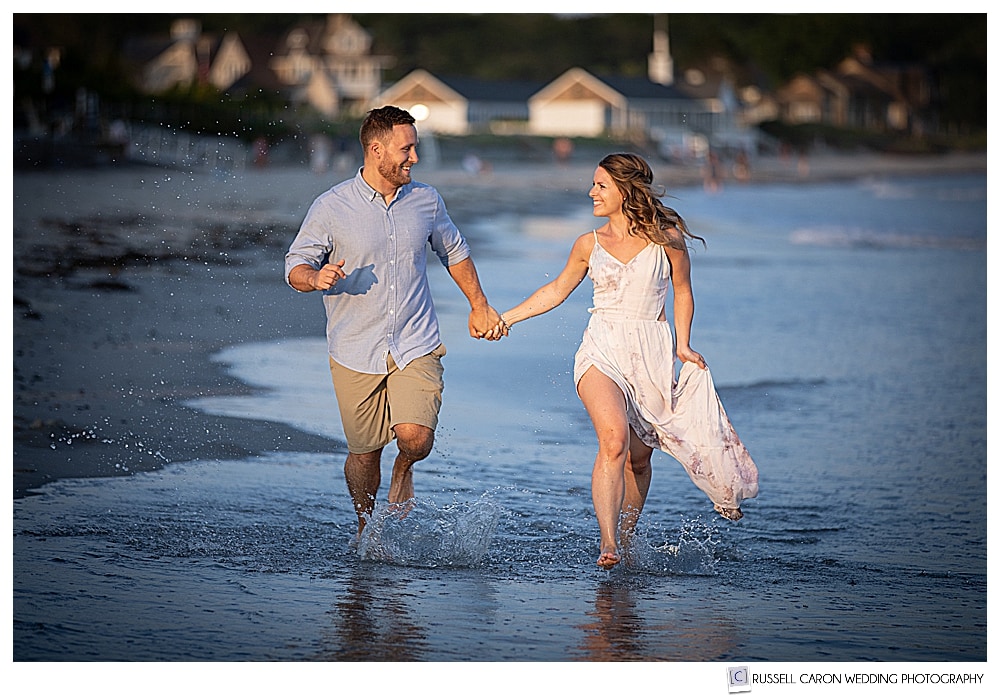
(552, 294)
(680, 278)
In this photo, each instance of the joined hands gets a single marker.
(498, 330)
(487, 324)
(483, 322)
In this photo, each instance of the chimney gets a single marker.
(661, 66)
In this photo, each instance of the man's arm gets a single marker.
(305, 278)
(482, 317)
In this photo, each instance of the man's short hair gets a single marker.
(378, 124)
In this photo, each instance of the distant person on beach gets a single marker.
(624, 368)
(562, 149)
(712, 172)
(364, 245)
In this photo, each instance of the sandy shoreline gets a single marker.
(126, 281)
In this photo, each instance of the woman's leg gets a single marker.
(605, 404)
(638, 474)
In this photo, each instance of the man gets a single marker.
(363, 244)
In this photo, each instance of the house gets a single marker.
(165, 63)
(328, 65)
(437, 107)
(884, 96)
(188, 57)
(686, 112)
(858, 94)
(230, 63)
(810, 99)
(459, 105)
(580, 104)
(576, 104)
(756, 106)
(727, 117)
(259, 78)
(494, 106)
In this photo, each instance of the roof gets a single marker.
(641, 88)
(261, 76)
(478, 90)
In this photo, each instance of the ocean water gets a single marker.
(845, 324)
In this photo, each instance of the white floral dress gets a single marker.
(627, 340)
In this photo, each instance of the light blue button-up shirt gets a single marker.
(384, 306)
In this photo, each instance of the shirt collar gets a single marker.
(371, 194)
(365, 187)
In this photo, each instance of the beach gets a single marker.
(179, 490)
(127, 279)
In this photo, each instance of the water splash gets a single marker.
(693, 554)
(418, 533)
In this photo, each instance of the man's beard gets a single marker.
(393, 173)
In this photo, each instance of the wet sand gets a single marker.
(127, 279)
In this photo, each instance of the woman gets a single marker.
(624, 368)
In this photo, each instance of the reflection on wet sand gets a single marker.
(390, 613)
(372, 622)
(617, 629)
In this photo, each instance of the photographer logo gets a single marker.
(739, 679)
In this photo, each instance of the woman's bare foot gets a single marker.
(608, 559)
(628, 547)
(729, 513)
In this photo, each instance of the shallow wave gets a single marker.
(860, 238)
(903, 191)
(775, 384)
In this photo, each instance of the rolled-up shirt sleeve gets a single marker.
(313, 245)
(447, 242)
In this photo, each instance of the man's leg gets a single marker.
(363, 475)
(363, 413)
(415, 401)
(415, 443)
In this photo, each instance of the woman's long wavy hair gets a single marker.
(641, 203)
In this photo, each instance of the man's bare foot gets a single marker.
(401, 509)
(729, 513)
(608, 559)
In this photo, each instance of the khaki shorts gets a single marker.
(371, 405)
